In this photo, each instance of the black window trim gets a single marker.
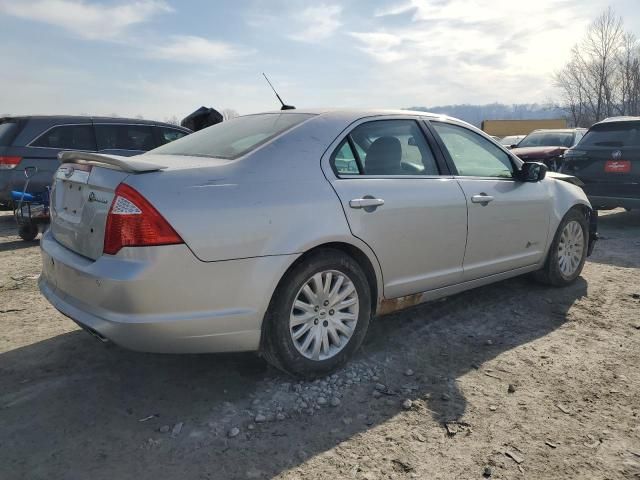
(89, 124)
(93, 124)
(440, 164)
(454, 171)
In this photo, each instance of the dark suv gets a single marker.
(607, 160)
(35, 141)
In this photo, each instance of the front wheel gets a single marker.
(319, 315)
(568, 251)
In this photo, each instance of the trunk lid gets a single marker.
(83, 190)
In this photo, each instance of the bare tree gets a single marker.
(229, 113)
(172, 120)
(598, 80)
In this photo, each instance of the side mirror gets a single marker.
(532, 172)
(30, 171)
(513, 146)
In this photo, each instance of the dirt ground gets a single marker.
(515, 380)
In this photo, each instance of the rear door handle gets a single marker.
(482, 198)
(367, 202)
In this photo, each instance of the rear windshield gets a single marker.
(233, 138)
(8, 131)
(613, 135)
(547, 139)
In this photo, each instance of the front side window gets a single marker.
(385, 147)
(125, 137)
(68, 137)
(472, 154)
(233, 138)
(168, 135)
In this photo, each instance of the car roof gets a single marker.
(618, 119)
(561, 130)
(72, 118)
(357, 112)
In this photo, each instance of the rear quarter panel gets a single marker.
(274, 201)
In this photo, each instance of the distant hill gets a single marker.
(475, 114)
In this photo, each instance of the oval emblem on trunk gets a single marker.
(616, 154)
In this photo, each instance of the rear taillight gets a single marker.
(8, 163)
(133, 222)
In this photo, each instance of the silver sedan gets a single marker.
(285, 232)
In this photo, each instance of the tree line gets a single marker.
(602, 77)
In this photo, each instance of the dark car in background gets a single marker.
(35, 141)
(607, 161)
(548, 146)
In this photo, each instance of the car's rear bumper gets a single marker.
(603, 203)
(162, 299)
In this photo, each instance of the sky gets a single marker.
(164, 58)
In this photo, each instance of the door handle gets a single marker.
(483, 198)
(366, 203)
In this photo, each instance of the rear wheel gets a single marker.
(568, 251)
(319, 315)
(28, 232)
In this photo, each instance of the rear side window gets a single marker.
(613, 135)
(168, 135)
(125, 137)
(234, 138)
(8, 131)
(67, 137)
(385, 147)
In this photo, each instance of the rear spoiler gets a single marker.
(126, 164)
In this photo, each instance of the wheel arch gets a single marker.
(365, 259)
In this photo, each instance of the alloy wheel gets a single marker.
(324, 315)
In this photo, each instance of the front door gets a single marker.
(396, 200)
(508, 219)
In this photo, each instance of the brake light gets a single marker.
(133, 222)
(8, 163)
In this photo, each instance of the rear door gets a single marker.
(399, 200)
(607, 160)
(508, 219)
(124, 139)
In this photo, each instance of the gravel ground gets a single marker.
(513, 380)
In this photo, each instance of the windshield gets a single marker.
(547, 139)
(613, 135)
(233, 138)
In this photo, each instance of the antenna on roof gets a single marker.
(284, 105)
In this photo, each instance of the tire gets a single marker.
(553, 272)
(335, 347)
(28, 232)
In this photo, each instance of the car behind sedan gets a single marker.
(35, 141)
(607, 160)
(286, 232)
(548, 146)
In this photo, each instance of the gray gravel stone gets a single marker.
(177, 428)
(234, 432)
(408, 372)
(164, 429)
(260, 418)
(407, 404)
(280, 417)
(321, 401)
(335, 401)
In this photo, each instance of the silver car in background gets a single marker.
(286, 232)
